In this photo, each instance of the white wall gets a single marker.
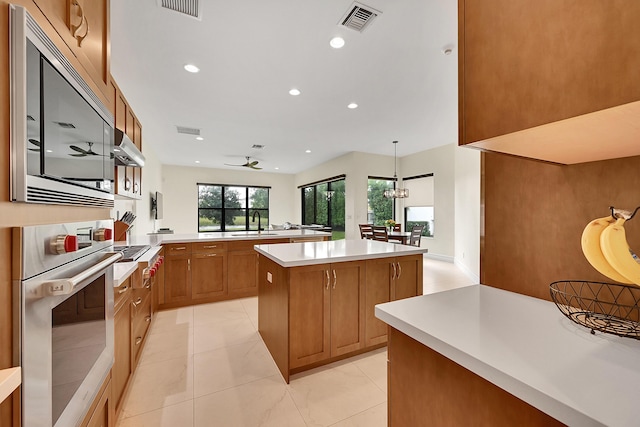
(440, 162)
(467, 211)
(180, 191)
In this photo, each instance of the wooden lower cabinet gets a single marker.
(312, 315)
(243, 272)
(428, 389)
(122, 342)
(389, 279)
(177, 279)
(208, 275)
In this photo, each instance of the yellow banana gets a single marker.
(592, 251)
(613, 242)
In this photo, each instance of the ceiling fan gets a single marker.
(249, 164)
(36, 143)
(83, 153)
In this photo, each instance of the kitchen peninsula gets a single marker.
(484, 356)
(316, 300)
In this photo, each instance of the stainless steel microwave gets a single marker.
(61, 133)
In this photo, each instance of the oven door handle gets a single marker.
(57, 287)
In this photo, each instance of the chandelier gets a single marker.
(397, 193)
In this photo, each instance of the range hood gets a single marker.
(125, 151)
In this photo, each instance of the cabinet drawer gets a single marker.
(121, 293)
(242, 245)
(177, 249)
(206, 247)
(140, 326)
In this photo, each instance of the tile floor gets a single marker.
(206, 366)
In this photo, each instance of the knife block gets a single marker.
(120, 231)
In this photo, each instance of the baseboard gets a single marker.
(470, 274)
(437, 257)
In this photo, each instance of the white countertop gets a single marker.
(527, 347)
(309, 253)
(10, 379)
(158, 239)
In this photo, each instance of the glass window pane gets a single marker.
(336, 204)
(264, 219)
(235, 197)
(235, 219)
(379, 207)
(420, 215)
(209, 220)
(259, 198)
(209, 196)
(308, 206)
(322, 204)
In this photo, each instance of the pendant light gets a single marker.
(398, 193)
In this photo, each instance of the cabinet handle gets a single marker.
(147, 319)
(123, 290)
(135, 187)
(189, 264)
(138, 340)
(393, 276)
(399, 271)
(335, 279)
(137, 302)
(210, 254)
(127, 184)
(181, 248)
(328, 280)
(210, 247)
(148, 285)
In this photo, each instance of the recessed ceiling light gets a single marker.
(352, 105)
(294, 92)
(336, 42)
(191, 68)
(199, 138)
(49, 151)
(197, 161)
(277, 168)
(307, 151)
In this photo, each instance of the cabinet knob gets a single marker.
(138, 340)
(147, 319)
(123, 290)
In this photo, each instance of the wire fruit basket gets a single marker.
(605, 307)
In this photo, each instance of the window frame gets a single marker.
(248, 210)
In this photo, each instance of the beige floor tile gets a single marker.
(327, 396)
(374, 366)
(440, 276)
(251, 307)
(231, 366)
(180, 414)
(176, 342)
(165, 320)
(159, 384)
(264, 403)
(218, 311)
(374, 417)
(211, 336)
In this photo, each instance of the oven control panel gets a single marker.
(83, 238)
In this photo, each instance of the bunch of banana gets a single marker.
(604, 244)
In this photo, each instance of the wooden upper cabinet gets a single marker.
(552, 79)
(84, 27)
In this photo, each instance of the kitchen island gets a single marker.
(316, 300)
(488, 357)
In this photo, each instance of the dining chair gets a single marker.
(397, 227)
(366, 231)
(416, 235)
(380, 233)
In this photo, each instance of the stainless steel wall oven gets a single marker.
(61, 133)
(63, 318)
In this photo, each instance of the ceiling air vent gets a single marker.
(188, 131)
(191, 8)
(359, 16)
(257, 146)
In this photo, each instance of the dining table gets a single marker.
(402, 236)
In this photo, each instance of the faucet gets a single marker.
(259, 220)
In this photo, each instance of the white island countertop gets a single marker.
(310, 253)
(525, 346)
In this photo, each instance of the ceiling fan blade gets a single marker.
(255, 167)
(227, 164)
(34, 149)
(78, 149)
(255, 162)
(78, 155)
(35, 142)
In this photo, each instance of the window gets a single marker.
(419, 207)
(323, 203)
(379, 207)
(231, 208)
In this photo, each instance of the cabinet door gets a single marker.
(309, 315)
(208, 275)
(408, 277)
(347, 307)
(243, 273)
(177, 278)
(378, 291)
(122, 349)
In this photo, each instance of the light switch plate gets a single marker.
(269, 277)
